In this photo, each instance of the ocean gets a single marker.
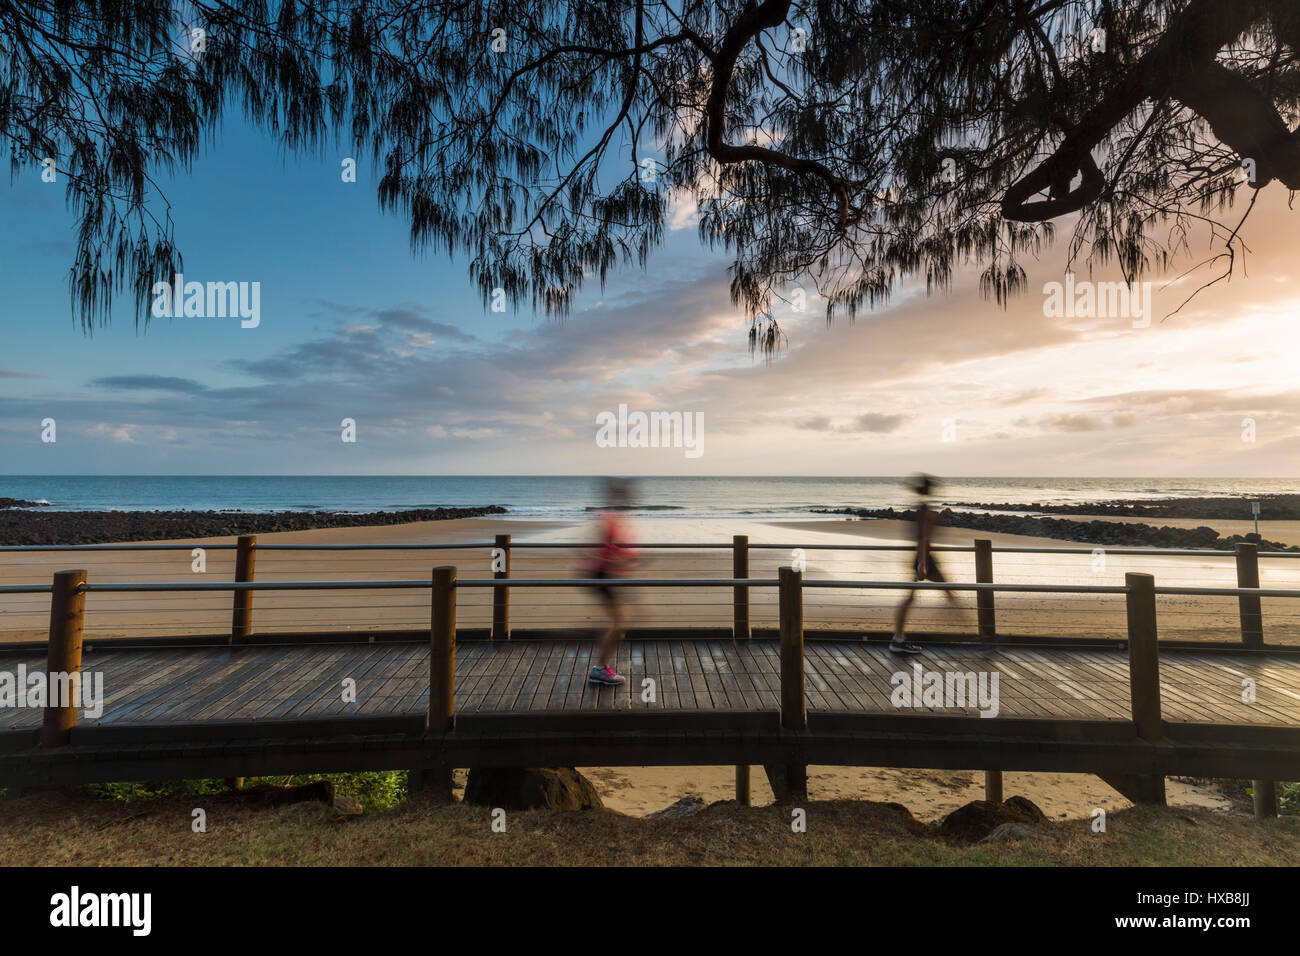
(571, 496)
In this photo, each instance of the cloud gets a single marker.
(160, 383)
(6, 373)
(875, 422)
(1028, 395)
(818, 423)
(413, 321)
(1067, 423)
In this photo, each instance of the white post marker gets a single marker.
(1254, 510)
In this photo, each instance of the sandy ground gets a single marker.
(929, 794)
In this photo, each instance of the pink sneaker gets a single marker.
(603, 675)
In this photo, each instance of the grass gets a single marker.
(151, 825)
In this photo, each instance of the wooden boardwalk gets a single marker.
(436, 697)
(267, 683)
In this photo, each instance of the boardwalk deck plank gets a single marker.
(269, 682)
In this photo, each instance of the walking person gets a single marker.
(924, 568)
(612, 558)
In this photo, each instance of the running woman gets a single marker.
(925, 568)
(613, 558)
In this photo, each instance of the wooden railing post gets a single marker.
(984, 599)
(1251, 610)
(1143, 656)
(790, 781)
(740, 596)
(740, 632)
(67, 611)
(442, 651)
(988, 631)
(1252, 615)
(501, 592)
(1144, 685)
(241, 625)
(794, 715)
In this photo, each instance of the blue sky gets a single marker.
(354, 325)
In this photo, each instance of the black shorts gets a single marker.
(604, 591)
(929, 572)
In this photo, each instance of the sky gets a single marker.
(354, 325)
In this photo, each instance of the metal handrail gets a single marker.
(384, 585)
(657, 545)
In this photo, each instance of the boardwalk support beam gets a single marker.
(1144, 685)
(993, 786)
(501, 592)
(63, 668)
(241, 625)
(743, 795)
(1265, 794)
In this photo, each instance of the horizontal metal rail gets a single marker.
(654, 545)
(412, 583)
(426, 583)
(116, 547)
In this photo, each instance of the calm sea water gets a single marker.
(552, 497)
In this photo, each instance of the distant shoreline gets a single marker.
(1116, 533)
(1274, 507)
(44, 527)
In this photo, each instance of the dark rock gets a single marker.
(1093, 531)
(267, 795)
(345, 808)
(685, 807)
(96, 527)
(979, 818)
(1025, 806)
(531, 788)
(1006, 832)
(20, 503)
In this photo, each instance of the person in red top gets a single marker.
(612, 558)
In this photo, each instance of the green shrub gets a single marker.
(376, 790)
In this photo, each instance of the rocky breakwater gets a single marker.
(1272, 507)
(1114, 533)
(98, 527)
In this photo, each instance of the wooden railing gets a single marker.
(1246, 557)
